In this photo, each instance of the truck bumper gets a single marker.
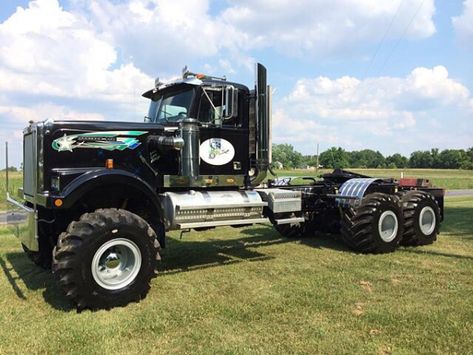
(23, 220)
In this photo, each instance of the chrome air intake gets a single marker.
(189, 129)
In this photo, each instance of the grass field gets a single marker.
(15, 182)
(249, 291)
(445, 178)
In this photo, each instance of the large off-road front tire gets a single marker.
(375, 226)
(106, 259)
(421, 218)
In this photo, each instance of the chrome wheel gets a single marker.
(427, 220)
(388, 226)
(116, 263)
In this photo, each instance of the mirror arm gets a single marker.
(227, 99)
(211, 103)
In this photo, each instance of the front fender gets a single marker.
(94, 179)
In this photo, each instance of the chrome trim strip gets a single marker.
(222, 223)
(223, 206)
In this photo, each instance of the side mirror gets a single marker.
(230, 102)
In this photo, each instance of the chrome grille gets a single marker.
(29, 162)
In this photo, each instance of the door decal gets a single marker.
(217, 151)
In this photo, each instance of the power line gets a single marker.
(388, 29)
(403, 34)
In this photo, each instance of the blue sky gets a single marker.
(393, 75)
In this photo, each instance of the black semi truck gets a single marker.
(100, 196)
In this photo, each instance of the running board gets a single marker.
(222, 223)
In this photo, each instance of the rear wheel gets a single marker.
(421, 218)
(376, 226)
(106, 259)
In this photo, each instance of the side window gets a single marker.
(212, 113)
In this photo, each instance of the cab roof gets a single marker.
(206, 81)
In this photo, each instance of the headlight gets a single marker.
(56, 183)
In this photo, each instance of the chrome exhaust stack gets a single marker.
(263, 126)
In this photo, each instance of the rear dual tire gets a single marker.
(421, 218)
(375, 226)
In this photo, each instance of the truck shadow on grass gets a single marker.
(179, 256)
(21, 272)
(184, 255)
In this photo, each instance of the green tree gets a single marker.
(366, 158)
(420, 159)
(434, 152)
(334, 158)
(396, 161)
(287, 156)
(452, 158)
(310, 160)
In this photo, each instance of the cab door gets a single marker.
(224, 139)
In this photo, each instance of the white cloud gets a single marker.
(160, 34)
(323, 27)
(47, 50)
(44, 111)
(103, 50)
(348, 107)
(463, 24)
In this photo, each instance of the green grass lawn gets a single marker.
(250, 291)
(445, 178)
(15, 182)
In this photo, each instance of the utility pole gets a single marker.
(6, 165)
(317, 164)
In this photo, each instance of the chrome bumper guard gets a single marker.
(23, 221)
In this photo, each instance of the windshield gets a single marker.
(170, 107)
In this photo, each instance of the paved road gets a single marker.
(15, 218)
(20, 217)
(460, 192)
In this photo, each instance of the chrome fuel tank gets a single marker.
(197, 209)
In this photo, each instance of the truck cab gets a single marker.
(219, 110)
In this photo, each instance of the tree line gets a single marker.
(284, 155)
